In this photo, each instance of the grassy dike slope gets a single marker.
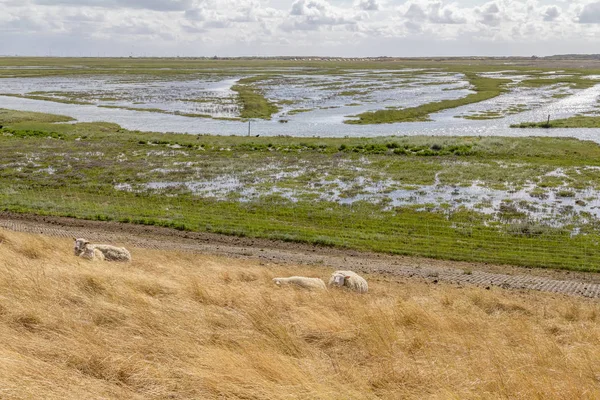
(84, 170)
(181, 326)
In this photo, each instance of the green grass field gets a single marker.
(80, 170)
(575, 82)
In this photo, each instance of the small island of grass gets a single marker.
(578, 121)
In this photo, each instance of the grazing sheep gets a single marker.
(302, 281)
(349, 279)
(85, 249)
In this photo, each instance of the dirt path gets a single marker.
(485, 275)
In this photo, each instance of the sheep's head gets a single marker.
(80, 246)
(339, 280)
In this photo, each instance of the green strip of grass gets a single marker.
(12, 116)
(153, 110)
(354, 93)
(299, 111)
(485, 89)
(253, 102)
(31, 134)
(579, 121)
(158, 110)
(575, 82)
(483, 116)
(47, 98)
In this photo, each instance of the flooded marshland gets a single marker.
(353, 182)
(310, 102)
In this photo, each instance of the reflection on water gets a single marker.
(208, 96)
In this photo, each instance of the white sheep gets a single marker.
(89, 251)
(349, 279)
(302, 281)
(92, 254)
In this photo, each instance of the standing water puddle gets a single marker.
(555, 206)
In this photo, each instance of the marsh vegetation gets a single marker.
(523, 201)
(578, 121)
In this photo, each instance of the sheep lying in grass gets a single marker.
(92, 254)
(89, 251)
(302, 281)
(349, 279)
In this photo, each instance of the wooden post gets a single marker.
(248, 127)
(548, 123)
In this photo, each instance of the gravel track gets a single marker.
(434, 271)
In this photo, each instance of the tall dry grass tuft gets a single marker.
(177, 325)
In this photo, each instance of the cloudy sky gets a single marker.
(298, 27)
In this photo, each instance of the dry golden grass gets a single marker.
(179, 326)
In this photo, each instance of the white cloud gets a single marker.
(436, 13)
(333, 27)
(314, 14)
(157, 5)
(489, 14)
(369, 5)
(415, 12)
(312, 8)
(590, 14)
(551, 13)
